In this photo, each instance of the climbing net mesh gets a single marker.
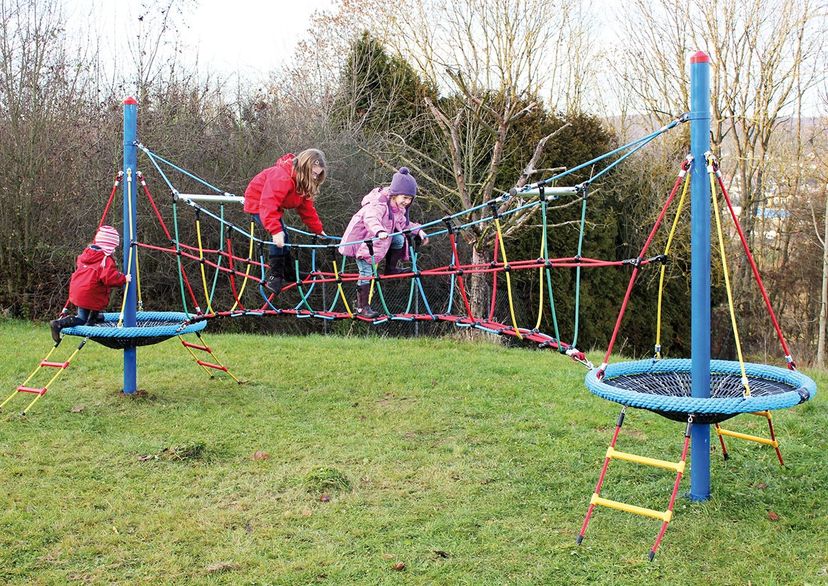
(678, 384)
(221, 274)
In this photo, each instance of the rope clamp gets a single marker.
(449, 226)
(635, 262)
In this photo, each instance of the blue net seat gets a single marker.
(151, 327)
(664, 386)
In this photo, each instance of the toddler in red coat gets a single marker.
(94, 277)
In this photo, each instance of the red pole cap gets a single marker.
(130, 101)
(700, 57)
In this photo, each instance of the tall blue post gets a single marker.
(700, 269)
(129, 231)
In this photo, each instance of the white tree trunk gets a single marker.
(823, 308)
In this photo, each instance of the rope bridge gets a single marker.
(321, 291)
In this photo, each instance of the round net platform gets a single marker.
(664, 386)
(151, 327)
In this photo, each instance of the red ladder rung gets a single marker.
(40, 391)
(210, 365)
(55, 364)
(196, 346)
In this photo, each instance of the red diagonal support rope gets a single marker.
(101, 221)
(636, 269)
(494, 278)
(111, 197)
(755, 269)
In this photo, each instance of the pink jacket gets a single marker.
(375, 215)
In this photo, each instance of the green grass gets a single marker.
(468, 462)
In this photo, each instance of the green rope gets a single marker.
(178, 258)
(336, 297)
(220, 257)
(548, 271)
(578, 269)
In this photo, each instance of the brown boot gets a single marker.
(393, 261)
(363, 308)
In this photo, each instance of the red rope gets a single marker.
(460, 282)
(233, 274)
(494, 278)
(657, 224)
(101, 221)
(756, 275)
(111, 197)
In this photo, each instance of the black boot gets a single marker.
(393, 261)
(276, 275)
(363, 308)
(58, 324)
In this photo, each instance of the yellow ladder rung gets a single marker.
(765, 414)
(750, 438)
(677, 467)
(664, 516)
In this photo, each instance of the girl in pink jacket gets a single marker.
(384, 211)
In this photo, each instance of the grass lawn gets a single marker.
(428, 461)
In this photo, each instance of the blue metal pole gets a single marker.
(700, 269)
(129, 231)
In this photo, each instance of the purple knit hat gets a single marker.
(107, 239)
(403, 183)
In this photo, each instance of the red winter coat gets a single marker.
(93, 279)
(273, 191)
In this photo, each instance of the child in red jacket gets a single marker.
(292, 183)
(94, 277)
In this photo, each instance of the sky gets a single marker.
(248, 37)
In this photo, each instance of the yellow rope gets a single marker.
(54, 378)
(28, 378)
(715, 204)
(508, 278)
(129, 256)
(210, 352)
(138, 279)
(201, 266)
(341, 291)
(664, 267)
(247, 271)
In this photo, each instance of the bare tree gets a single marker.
(767, 60)
(490, 63)
(765, 54)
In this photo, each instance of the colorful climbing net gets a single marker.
(321, 291)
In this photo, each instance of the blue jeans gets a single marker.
(366, 269)
(85, 316)
(272, 248)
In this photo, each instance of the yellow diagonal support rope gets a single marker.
(341, 291)
(508, 278)
(679, 209)
(249, 265)
(129, 256)
(712, 173)
(201, 266)
(30, 377)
